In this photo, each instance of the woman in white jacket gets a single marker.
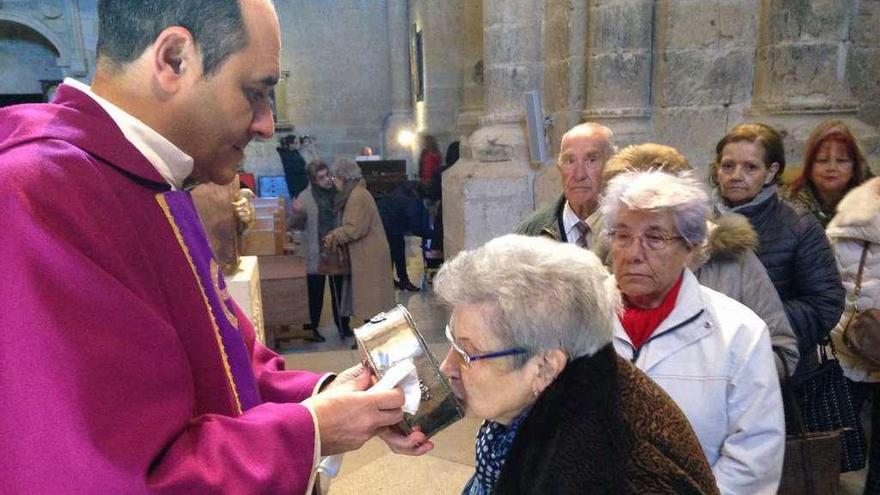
(711, 354)
(858, 222)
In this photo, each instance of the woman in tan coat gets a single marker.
(360, 228)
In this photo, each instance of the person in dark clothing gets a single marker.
(313, 211)
(749, 161)
(294, 165)
(402, 213)
(430, 163)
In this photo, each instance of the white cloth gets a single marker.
(712, 355)
(172, 164)
(403, 374)
(858, 221)
(570, 223)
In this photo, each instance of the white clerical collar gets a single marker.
(172, 164)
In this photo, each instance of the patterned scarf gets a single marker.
(493, 444)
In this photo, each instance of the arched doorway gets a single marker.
(29, 64)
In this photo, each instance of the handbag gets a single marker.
(822, 400)
(812, 460)
(334, 261)
(861, 333)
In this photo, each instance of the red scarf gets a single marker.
(640, 323)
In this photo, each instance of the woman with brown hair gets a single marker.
(792, 245)
(833, 165)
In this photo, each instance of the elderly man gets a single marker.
(126, 367)
(584, 150)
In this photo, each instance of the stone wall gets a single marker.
(683, 72)
(440, 22)
(338, 90)
(43, 40)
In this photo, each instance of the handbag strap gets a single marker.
(794, 406)
(861, 272)
(858, 289)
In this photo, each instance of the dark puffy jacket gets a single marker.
(799, 260)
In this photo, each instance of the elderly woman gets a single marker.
(360, 229)
(314, 210)
(854, 233)
(709, 352)
(530, 332)
(725, 260)
(792, 245)
(833, 165)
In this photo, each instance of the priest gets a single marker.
(125, 367)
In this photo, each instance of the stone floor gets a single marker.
(374, 469)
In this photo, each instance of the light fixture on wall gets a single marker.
(406, 138)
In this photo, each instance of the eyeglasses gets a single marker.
(466, 358)
(652, 241)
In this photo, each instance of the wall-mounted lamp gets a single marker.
(406, 138)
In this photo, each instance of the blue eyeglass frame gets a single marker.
(468, 358)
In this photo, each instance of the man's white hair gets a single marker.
(544, 295)
(590, 128)
(681, 195)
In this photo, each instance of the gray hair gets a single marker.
(544, 295)
(347, 170)
(590, 128)
(681, 195)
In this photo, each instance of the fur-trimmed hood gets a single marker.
(858, 213)
(728, 236)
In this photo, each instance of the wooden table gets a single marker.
(285, 298)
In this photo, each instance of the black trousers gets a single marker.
(397, 245)
(860, 392)
(315, 285)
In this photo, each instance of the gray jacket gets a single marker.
(307, 218)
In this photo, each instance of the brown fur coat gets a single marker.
(604, 427)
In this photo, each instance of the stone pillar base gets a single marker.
(484, 200)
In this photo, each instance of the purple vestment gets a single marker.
(124, 365)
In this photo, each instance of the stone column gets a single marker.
(802, 75)
(472, 105)
(401, 116)
(565, 44)
(620, 55)
(488, 193)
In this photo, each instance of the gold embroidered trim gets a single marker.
(222, 294)
(165, 209)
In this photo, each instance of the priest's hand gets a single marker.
(416, 443)
(348, 415)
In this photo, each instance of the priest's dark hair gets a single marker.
(127, 27)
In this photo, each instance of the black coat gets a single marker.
(796, 253)
(604, 427)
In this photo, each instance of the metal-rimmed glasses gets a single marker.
(653, 241)
(466, 358)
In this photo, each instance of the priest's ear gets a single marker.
(175, 58)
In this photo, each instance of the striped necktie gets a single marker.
(583, 229)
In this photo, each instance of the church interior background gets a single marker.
(361, 72)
